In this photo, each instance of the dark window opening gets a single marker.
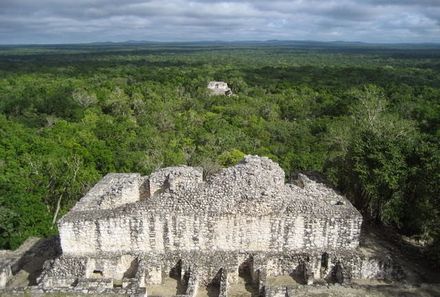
(98, 273)
(213, 287)
(324, 261)
(182, 280)
(245, 273)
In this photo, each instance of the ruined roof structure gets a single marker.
(234, 210)
(136, 233)
(219, 88)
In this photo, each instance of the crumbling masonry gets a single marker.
(132, 232)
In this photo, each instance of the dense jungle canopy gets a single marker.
(365, 117)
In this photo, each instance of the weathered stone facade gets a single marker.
(133, 232)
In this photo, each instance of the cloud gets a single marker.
(62, 21)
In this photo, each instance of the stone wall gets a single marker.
(128, 275)
(219, 268)
(166, 232)
(173, 179)
(244, 207)
(332, 266)
(99, 289)
(114, 190)
(139, 231)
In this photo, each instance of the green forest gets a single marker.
(364, 117)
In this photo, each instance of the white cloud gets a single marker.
(52, 21)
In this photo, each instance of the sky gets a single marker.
(83, 21)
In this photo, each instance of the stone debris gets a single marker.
(131, 232)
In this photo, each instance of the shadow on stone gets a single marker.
(213, 288)
(31, 258)
(131, 271)
(244, 271)
(182, 281)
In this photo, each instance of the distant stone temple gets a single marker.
(142, 233)
(219, 88)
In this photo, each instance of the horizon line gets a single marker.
(222, 41)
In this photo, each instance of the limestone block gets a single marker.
(114, 190)
(79, 237)
(175, 179)
(154, 275)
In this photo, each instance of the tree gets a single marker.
(370, 163)
(83, 98)
(230, 158)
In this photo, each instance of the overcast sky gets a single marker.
(72, 21)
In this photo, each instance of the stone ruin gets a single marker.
(135, 235)
(219, 88)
